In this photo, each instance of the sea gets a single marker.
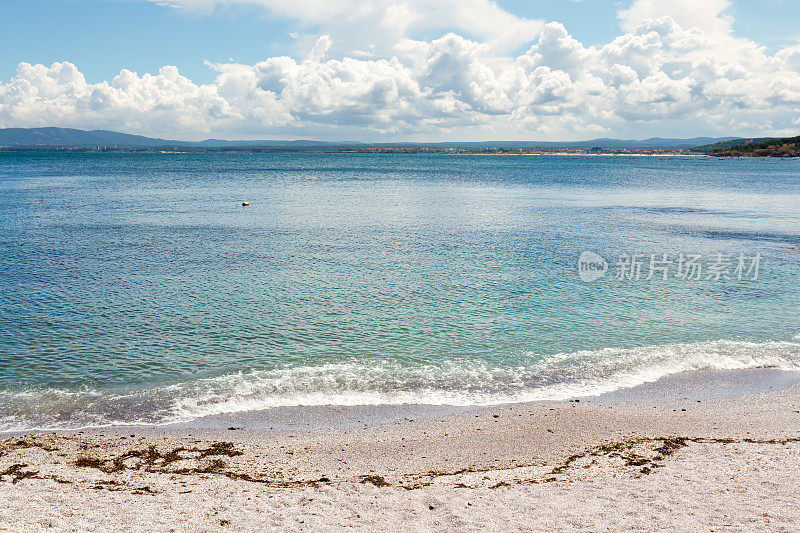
(135, 288)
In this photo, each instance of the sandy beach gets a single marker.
(711, 451)
(378, 266)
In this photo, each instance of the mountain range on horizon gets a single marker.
(54, 137)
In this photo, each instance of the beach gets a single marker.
(454, 266)
(700, 451)
(398, 342)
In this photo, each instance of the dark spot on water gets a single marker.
(734, 288)
(733, 235)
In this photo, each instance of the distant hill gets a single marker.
(606, 144)
(72, 137)
(56, 138)
(725, 145)
(764, 147)
(67, 137)
(218, 143)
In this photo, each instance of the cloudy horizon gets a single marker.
(408, 70)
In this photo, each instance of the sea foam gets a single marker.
(534, 377)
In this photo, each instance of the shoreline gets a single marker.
(725, 445)
(710, 384)
(702, 384)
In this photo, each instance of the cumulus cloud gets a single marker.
(668, 68)
(710, 16)
(376, 25)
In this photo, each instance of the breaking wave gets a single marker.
(532, 377)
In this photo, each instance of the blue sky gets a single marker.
(102, 37)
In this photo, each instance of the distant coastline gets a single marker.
(413, 150)
(782, 147)
(637, 152)
(73, 140)
(53, 139)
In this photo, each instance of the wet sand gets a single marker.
(701, 451)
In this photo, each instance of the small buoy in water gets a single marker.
(245, 204)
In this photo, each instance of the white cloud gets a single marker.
(666, 74)
(707, 15)
(354, 24)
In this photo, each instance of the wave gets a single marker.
(532, 377)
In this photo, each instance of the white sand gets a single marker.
(728, 464)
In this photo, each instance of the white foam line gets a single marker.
(561, 376)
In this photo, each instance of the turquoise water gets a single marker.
(137, 289)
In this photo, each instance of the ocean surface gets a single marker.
(136, 288)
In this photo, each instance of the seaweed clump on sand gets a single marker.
(151, 459)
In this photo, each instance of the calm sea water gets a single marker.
(136, 288)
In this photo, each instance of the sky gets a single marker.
(410, 70)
